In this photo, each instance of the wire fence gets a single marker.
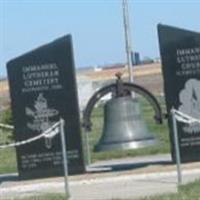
(7, 145)
(49, 133)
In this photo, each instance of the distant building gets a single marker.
(135, 58)
(147, 60)
(157, 60)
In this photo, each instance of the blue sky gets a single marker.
(96, 26)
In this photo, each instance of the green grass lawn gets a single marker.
(190, 191)
(44, 197)
(8, 162)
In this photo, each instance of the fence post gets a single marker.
(88, 156)
(64, 154)
(176, 145)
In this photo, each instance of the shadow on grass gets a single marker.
(116, 167)
(8, 177)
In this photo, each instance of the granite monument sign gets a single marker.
(43, 89)
(180, 53)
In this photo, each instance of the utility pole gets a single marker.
(127, 33)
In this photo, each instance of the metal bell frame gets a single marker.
(118, 89)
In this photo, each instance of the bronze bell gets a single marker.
(124, 127)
